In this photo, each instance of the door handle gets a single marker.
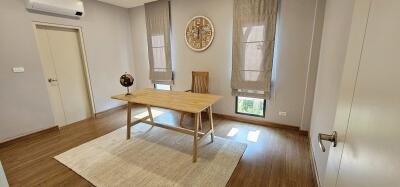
(50, 80)
(327, 137)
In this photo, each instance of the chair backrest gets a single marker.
(199, 82)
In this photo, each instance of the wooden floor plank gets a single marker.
(276, 157)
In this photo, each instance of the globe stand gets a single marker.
(128, 93)
(126, 81)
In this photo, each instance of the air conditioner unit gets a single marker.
(72, 8)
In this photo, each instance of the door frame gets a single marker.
(89, 90)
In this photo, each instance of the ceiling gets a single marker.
(126, 3)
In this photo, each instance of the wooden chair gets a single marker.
(199, 85)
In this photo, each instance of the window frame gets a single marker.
(247, 114)
(155, 87)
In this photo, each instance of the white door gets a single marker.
(368, 113)
(64, 71)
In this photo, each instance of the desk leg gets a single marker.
(128, 121)
(196, 128)
(200, 123)
(150, 114)
(210, 115)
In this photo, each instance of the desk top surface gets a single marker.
(175, 100)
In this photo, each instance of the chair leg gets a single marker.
(181, 119)
(183, 116)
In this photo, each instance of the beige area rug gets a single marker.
(153, 157)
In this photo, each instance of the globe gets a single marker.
(126, 80)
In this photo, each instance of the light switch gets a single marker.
(18, 69)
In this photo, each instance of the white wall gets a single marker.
(25, 106)
(139, 45)
(332, 55)
(295, 28)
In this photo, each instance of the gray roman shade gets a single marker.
(253, 47)
(158, 41)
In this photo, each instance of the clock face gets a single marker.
(199, 33)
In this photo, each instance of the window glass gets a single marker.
(158, 46)
(162, 87)
(250, 106)
(253, 48)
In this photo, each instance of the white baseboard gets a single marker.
(25, 134)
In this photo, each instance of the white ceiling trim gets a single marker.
(126, 3)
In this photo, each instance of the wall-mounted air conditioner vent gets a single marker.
(72, 8)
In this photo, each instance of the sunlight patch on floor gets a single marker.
(233, 132)
(145, 113)
(252, 136)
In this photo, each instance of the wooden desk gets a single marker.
(180, 101)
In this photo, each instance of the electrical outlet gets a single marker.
(282, 114)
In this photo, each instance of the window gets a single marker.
(253, 48)
(162, 87)
(250, 106)
(253, 41)
(159, 61)
(158, 25)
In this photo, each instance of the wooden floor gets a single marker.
(274, 157)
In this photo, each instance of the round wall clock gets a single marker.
(199, 33)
